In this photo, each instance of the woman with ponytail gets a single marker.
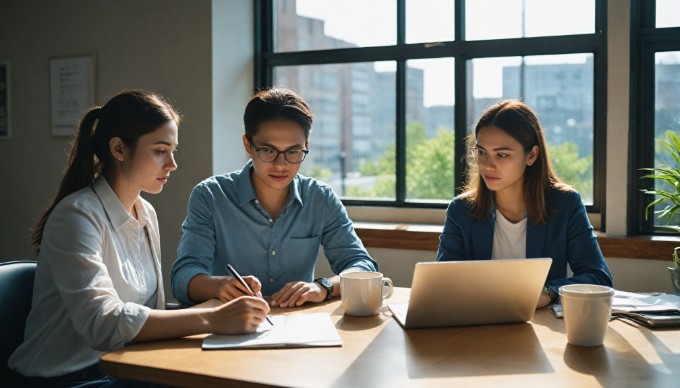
(98, 284)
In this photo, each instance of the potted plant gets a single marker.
(669, 194)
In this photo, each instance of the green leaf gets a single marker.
(667, 190)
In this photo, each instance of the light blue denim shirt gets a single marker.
(226, 225)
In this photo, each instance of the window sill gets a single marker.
(426, 237)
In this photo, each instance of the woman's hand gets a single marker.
(241, 315)
(230, 288)
(295, 294)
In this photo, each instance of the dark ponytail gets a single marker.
(128, 115)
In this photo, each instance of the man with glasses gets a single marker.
(266, 220)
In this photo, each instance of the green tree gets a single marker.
(572, 169)
(320, 172)
(429, 167)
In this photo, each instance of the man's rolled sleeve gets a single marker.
(180, 281)
(196, 251)
(342, 246)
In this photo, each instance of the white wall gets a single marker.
(162, 45)
(618, 94)
(232, 84)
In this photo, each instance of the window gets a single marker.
(666, 14)
(655, 57)
(494, 19)
(396, 85)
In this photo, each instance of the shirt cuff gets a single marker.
(360, 265)
(553, 293)
(181, 280)
(133, 317)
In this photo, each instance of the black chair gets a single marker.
(16, 293)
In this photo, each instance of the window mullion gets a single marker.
(460, 121)
(263, 41)
(400, 162)
(401, 132)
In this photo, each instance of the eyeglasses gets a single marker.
(269, 155)
(482, 157)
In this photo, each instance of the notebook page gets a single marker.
(295, 330)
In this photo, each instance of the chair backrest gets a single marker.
(16, 293)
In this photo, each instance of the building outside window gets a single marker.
(397, 85)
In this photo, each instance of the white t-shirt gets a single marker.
(509, 240)
(95, 282)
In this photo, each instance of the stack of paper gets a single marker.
(651, 310)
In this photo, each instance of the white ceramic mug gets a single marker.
(587, 310)
(363, 292)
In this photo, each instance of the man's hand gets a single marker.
(295, 294)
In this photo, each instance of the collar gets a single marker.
(246, 191)
(494, 209)
(114, 208)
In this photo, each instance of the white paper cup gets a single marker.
(587, 310)
(363, 292)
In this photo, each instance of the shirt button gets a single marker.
(257, 201)
(271, 221)
(273, 253)
(271, 280)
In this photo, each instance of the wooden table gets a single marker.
(377, 352)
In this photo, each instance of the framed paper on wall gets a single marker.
(4, 101)
(72, 92)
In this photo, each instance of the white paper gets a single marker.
(295, 330)
(634, 302)
(72, 89)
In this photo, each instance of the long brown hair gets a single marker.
(519, 121)
(128, 115)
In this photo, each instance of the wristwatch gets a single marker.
(326, 284)
(551, 294)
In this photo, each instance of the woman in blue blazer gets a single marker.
(515, 206)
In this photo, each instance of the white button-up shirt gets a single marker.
(93, 287)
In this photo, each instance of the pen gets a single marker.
(244, 284)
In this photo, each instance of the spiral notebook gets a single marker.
(289, 331)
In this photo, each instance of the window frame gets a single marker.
(646, 40)
(461, 51)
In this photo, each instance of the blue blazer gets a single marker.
(567, 238)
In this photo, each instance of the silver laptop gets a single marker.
(476, 292)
